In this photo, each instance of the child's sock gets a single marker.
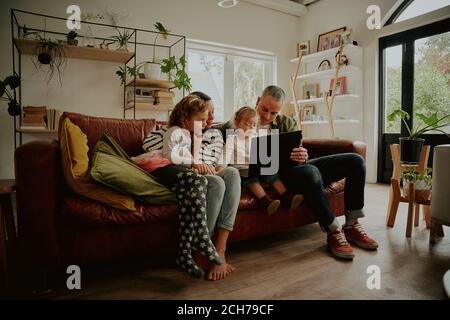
(269, 204)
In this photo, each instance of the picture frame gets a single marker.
(330, 39)
(340, 86)
(346, 37)
(310, 91)
(303, 47)
(308, 112)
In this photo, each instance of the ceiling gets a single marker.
(296, 8)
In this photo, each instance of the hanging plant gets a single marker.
(51, 53)
(159, 26)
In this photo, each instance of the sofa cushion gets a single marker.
(75, 163)
(112, 167)
(80, 212)
(129, 133)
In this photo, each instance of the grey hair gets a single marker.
(274, 91)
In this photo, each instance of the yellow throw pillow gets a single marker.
(75, 162)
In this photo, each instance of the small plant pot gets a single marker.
(13, 108)
(44, 58)
(422, 190)
(72, 42)
(152, 71)
(410, 150)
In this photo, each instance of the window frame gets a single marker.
(230, 53)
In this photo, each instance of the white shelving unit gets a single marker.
(347, 108)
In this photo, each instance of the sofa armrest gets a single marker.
(38, 184)
(323, 147)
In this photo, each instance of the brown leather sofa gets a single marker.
(58, 227)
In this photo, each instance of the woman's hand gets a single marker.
(201, 168)
(299, 155)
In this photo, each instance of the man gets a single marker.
(310, 176)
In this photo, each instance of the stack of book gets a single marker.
(34, 118)
(164, 99)
(40, 118)
(145, 98)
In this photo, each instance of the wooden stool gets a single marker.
(395, 196)
(7, 226)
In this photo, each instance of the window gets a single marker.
(232, 77)
(409, 9)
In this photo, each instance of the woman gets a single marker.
(224, 191)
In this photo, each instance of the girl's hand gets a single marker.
(201, 168)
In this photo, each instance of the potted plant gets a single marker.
(71, 38)
(411, 146)
(52, 53)
(13, 82)
(176, 72)
(122, 39)
(422, 183)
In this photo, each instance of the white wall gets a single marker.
(327, 15)
(93, 88)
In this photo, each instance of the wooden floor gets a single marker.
(294, 265)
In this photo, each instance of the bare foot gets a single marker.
(220, 272)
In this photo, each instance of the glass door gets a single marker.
(414, 75)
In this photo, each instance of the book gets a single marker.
(33, 110)
(160, 94)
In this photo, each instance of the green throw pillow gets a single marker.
(111, 166)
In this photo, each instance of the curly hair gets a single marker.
(244, 112)
(186, 108)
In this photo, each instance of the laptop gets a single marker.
(286, 142)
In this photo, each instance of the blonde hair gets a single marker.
(245, 112)
(185, 109)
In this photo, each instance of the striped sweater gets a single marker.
(210, 152)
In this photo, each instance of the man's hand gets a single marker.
(299, 155)
(201, 168)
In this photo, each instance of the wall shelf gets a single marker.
(28, 46)
(318, 56)
(340, 121)
(36, 131)
(340, 98)
(152, 83)
(329, 73)
(146, 106)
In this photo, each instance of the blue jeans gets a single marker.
(311, 178)
(222, 199)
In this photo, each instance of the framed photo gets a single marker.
(331, 39)
(340, 86)
(310, 90)
(346, 37)
(303, 47)
(308, 112)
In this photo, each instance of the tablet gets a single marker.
(285, 141)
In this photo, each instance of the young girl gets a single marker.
(238, 151)
(190, 187)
